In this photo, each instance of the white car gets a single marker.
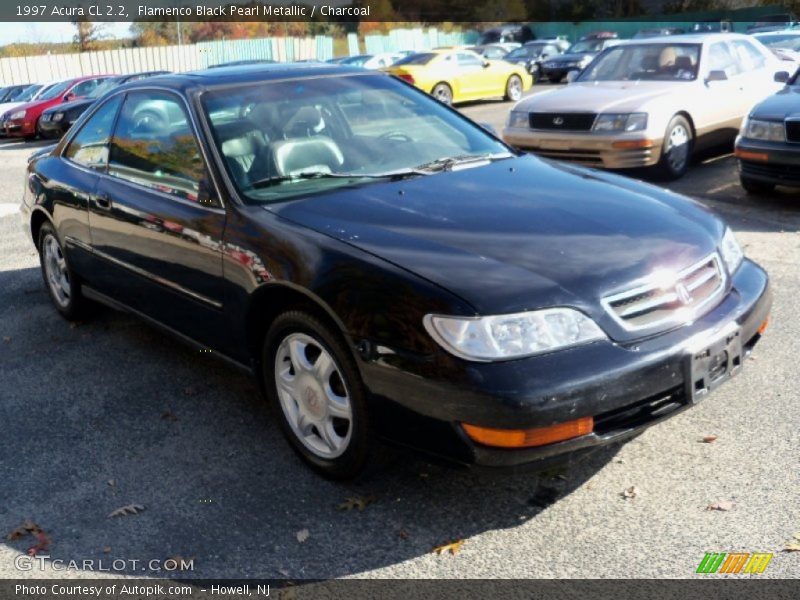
(31, 93)
(649, 102)
(785, 44)
(383, 60)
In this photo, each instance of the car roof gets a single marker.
(245, 74)
(689, 38)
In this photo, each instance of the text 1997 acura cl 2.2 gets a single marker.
(390, 269)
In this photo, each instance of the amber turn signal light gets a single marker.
(764, 326)
(527, 438)
(632, 144)
(747, 155)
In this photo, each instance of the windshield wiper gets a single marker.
(450, 162)
(304, 175)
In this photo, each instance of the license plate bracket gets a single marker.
(709, 365)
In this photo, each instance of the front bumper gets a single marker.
(53, 129)
(626, 388)
(558, 72)
(19, 128)
(587, 148)
(778, 162)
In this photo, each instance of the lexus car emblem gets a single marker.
(683, 294)
(558, 121)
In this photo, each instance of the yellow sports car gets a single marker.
(457, 75)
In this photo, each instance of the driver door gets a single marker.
(471, 76)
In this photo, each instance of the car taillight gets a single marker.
(407, 77)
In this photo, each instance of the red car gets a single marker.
(22, 120)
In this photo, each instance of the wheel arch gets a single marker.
(271, 299)
(38, 218)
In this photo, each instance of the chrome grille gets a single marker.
(677, 300)
(792, 130)
(562, 121)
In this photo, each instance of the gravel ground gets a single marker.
(110, 413)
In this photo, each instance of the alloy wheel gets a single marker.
(313, 395)
(55, 268)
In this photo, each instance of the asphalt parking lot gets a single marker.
(110, 413)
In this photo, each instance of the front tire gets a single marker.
(62, 284)
(753, 186)
(443, 93)
(513, 88)
(555, 78)
(312, 382)
(676, 150)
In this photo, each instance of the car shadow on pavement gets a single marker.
(110, 413)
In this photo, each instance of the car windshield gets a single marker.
(286, 139)
(104, 86)
(586, 46)
(645, 62)
(55, 91)
(423, 58)
(527, 51)
(28, 93)
(786, 41)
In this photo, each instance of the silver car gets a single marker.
(649, 103)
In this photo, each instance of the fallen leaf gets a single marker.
(451, 547)
(168, 415)
(23, 530)
(128, 509)
(793, 545)
(6, 338)
(721, 505)
(73, 325)
(283, 572)
(302, 535)
(111, 482)
(107, 549)
(357, 502)
(709, 438)
(42, 543)
(190, 390)
(403, 534)
(630, 492)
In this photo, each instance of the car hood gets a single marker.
(519, 234)
(36, 104)
(7, 106)
(67, 106)
(786, 103)
(605, 96)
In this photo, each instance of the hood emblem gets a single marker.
(683, 294)
(558, 120)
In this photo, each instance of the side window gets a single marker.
(154, 146)
(84, 88)
(750, 58)
(90, 146)
(721, 59)
(468, 60)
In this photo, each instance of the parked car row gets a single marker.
(50, 109)
(654, 102)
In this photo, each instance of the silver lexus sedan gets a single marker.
(649, 103)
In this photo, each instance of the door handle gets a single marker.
(103, 201)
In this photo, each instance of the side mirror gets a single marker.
(782, 76)
(572, 76)
(490, 128)
(485, 63)
(68, 96)
(205, 193)
(716, 76)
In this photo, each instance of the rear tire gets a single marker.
(676, 150)
(753, 186)
(62, 284)
(313, 385)
(514, 88)
(443, 93)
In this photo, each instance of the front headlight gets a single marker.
(20, 114)
(518, 118)
(58, 116)
(731, 251)
(504, 337)
(625, 122)
(756, 129)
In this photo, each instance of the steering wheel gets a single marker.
(397, 136)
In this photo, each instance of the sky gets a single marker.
(53, 32)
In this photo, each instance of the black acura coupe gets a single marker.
(387, 268)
